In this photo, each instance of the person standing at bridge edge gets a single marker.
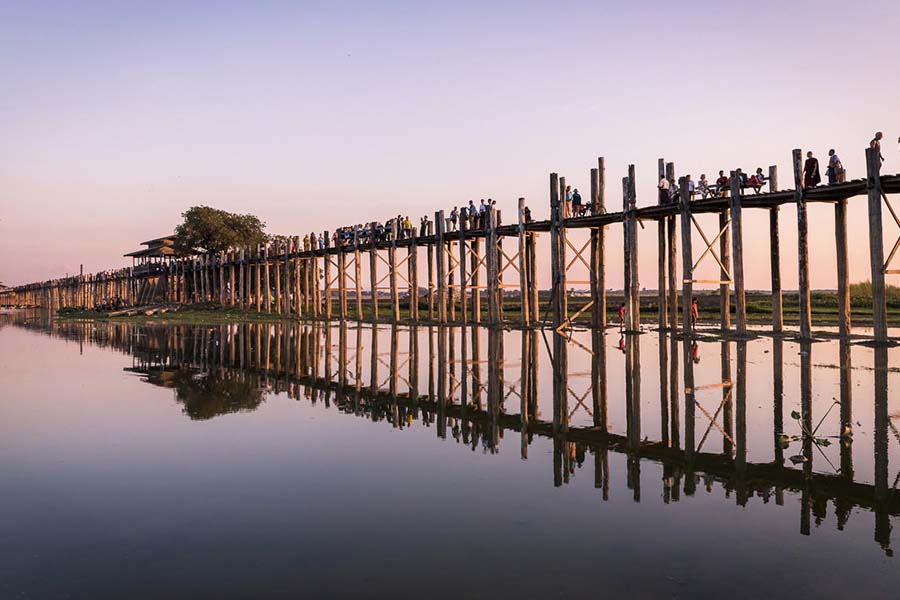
(875, 144)
(663, 190)
(811, 176)
(835, 170)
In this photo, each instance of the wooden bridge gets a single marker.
(471, 265)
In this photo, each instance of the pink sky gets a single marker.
(314, 115)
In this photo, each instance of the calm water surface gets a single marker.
(246, 461)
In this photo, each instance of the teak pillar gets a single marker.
(802, 247)
(775, 256)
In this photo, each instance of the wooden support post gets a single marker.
(724, 274)
(802, 247)
(662, 246)
(298, 283)
(277, 276)
(392, 272)
(523, 278)
(373, 268)
(287, 274)
(737, 268)
(357, 274)
(672, 247)
(843, 267)
(257, 279)
(475, 278)
(231, 277)
(598, 247)
(342, 282)
(326, 260)
(876, 244)
(687, 285)
(555, 218)
(463, 301)
(535, 303)
(635, 269)
(775, 256)
(493, 275)
(413, 271)
(627, 288)
(430, 257)
(441, 266)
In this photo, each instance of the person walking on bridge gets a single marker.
(811, 176)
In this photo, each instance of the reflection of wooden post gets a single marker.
(663, 388)
(737, 240)
(807, 422)
(802, 247)
(846, 367)
(882, 421)
(675, 409)
(876, 244)
(778, 406)
(740, 438)
(524, 396)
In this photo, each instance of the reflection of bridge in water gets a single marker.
(456, 379)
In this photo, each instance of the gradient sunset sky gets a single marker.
(117, 116)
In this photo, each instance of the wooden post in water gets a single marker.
(441, 266)
(635, 270)
(276, 267)
(256, 283)
(523, 276)
(392, 272)
(687, 285)
(475, 276)
(357, 275)
(876, 244)
(373, 268)
(662, 246)
(737, 240)
(843, 267)
(802, 247)
(493, 283)
(555, 218)
(326, 261)
(627, 288)
(342, 281)
(463, 301)
(725, 270)
(775, 256)
(287, 274)
(598, 247)
(672, 247)
(413, 277)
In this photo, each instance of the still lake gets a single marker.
(302, 460)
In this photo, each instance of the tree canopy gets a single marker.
(212, 230)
